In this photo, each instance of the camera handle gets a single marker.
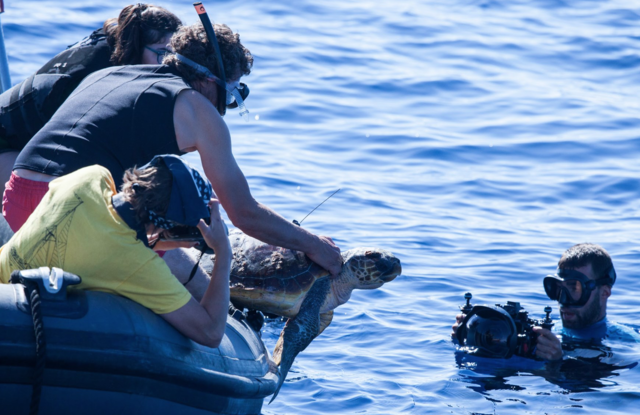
(547, 323)
(467, 307)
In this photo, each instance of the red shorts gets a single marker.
(20, 199)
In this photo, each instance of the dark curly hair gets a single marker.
(137, 26)
(191, 41)
(152, 190)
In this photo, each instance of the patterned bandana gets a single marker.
(190, 194)
(161, 222)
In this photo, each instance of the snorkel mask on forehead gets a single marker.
(230, 95)
(572, 288)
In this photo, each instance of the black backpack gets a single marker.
(26, 108)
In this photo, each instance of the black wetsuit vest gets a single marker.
(118, 117)
(25, 108)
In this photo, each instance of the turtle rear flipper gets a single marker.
(301, 330)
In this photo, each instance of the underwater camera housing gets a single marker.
(499, 331)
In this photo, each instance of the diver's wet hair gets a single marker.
(137, 26)
(148, 189)
(583, 254)
(192, 42)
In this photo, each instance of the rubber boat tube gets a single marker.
(109, 355)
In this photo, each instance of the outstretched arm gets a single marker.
(200, 127)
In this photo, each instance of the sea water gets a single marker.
(475, 139)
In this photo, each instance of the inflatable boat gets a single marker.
(106, 354)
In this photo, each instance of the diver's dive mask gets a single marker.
(234, 92)
(572, 288)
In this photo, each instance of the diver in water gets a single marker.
(85, 227)
(121, 117)
(139, 35)
(582, 286)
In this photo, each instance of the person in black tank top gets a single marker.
(120, 116)
(138, 36)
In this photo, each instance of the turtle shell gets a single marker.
(270, 278)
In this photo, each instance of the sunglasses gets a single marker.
(160, 53)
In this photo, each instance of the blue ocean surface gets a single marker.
(475, 139)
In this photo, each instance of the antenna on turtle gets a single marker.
(314, 209)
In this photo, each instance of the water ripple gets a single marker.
(475, 139)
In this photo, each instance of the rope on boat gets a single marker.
(41, 348)
(33, 294)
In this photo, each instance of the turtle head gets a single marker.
(371, 266)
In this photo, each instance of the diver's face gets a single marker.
(590, 313)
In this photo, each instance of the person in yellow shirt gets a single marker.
(85, 227)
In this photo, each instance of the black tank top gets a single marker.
(25, 108)
(118, 118)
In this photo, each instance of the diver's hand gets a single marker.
(548, 345)
(215, 233)
(455, 326)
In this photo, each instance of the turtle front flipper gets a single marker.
(301, 330)
(325, 320)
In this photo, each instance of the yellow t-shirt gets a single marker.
(76, 228)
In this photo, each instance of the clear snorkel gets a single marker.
(235, 92)
(220, 79)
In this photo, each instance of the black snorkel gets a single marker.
(211, 35)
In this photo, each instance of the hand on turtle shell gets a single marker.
(327, 255)
(215, 233)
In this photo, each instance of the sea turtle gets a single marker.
(286, 283)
